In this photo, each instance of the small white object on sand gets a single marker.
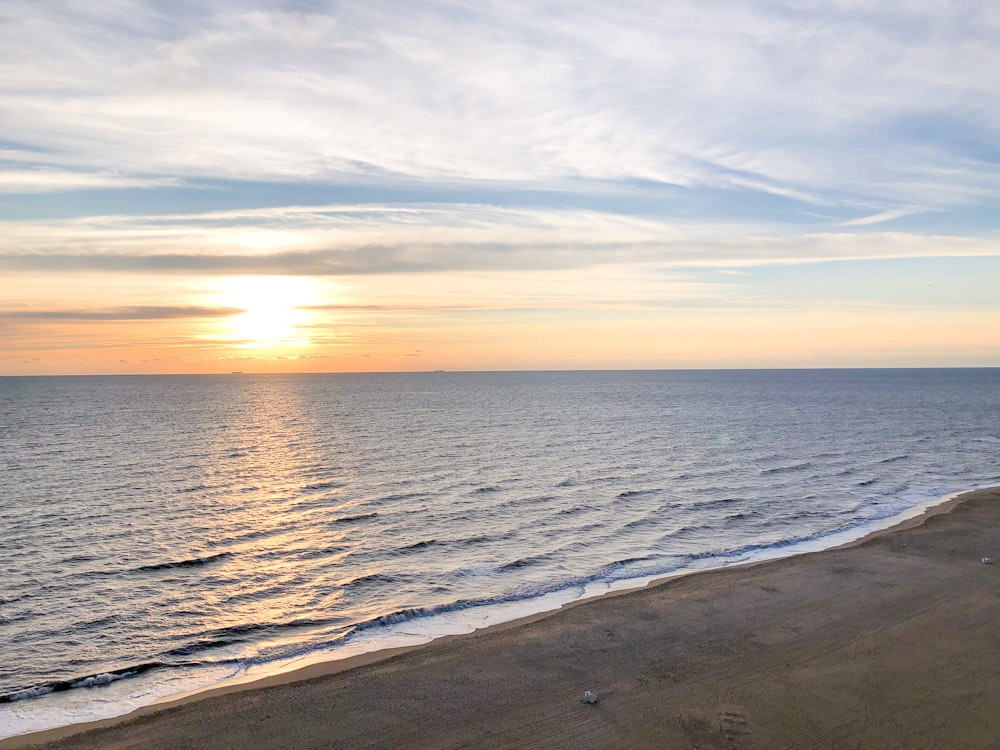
(987, 561)
(590, 697)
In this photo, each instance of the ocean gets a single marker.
(163, 534)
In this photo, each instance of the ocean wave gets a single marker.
(713, 503)
(525, 562)
(528, 500)
(743, 515)
(331, 484)
(376, 578)
(222, 637)
(398, 496)
(189, 563)
(79, 559)
(87, 681)
(415, 547)
(416, 613)
(626, 561)
(893, 459)
(784, 469)
(637, 493)
(312, 554)
(472, 541)
(642, 521)
(685, 532)
(747, 549)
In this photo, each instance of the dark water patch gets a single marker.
(893, 459)
(529, 500)
(685, 532)
(791, 521)
(193, 562)
(331, 484)
(644, 521)
(373, 578)
(594, 481)
(784, 469)
(79, 559)
(195, 488)
(482, 539)
(627, 561)
(401, 496)
(637, 493)
(352, 519)
(713, 503)
(98, 623)
(249, 535)
(524, 562)
(415, 547)
(742, 515)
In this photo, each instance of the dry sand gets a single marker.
(894, 642)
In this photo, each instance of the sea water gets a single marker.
(165, 534)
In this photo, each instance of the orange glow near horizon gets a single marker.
(454, 321)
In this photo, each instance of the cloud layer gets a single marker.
(875, 104)
(372, 239)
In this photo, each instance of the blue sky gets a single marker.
(812, 154)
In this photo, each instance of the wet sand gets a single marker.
(890, 643)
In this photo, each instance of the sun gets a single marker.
(276, 313)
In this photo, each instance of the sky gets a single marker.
(310, 186)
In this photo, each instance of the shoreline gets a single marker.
(325, 668)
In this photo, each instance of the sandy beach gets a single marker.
(892, 642)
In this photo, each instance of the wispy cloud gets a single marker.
(121, 313)
(896, 213)
(366, 240)
(811, 102)
(50, 181)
